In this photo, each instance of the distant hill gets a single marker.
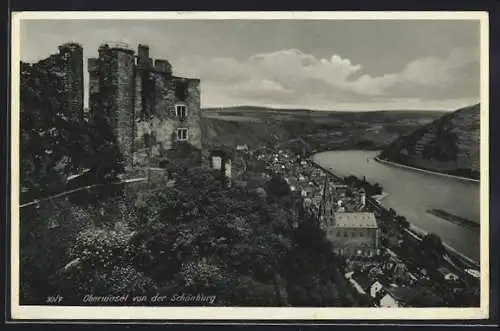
(257, 113)
(449, 145)
(320, 130)
(303, 110)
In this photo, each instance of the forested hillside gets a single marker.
(54, 144)
(321, 130)
(197, 236)
(449, 144)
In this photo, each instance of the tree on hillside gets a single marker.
(54, 143)
(200, 222)
(311, 268)
(432, 250)
(402, 222)
(201, 237)
(352, 180)
(42, 156)
(276, 188)
(376, 189)
(106, 158)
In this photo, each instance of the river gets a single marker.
(413, 193)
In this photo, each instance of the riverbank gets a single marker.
(454, 218)
(422, 233)
(380, 197)
(416, 230)
(399, 165)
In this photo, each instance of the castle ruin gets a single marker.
(154, 114)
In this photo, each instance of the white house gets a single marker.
(451, 276)
(447, 274)
(473, 273)
(375, 288)
(388, 301)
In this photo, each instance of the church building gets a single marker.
(353, 234)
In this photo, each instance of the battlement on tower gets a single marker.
(118, 45)
(143, 99)
(70, 45)
(163, 66)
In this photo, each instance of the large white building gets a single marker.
(353, 234)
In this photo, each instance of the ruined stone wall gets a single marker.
(76, 94)
(107, 86)
(141, 114)
(138, 103)
(153, 126)
(140, 100)
(68, 66)
(138, 108)
(164, 101)
(125, 103)
(194, 113)
(116, 95)
(157, 129)
(72, 64)
(93, 68)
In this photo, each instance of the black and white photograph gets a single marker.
(203, 165)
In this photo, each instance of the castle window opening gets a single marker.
(181, 90)
(181, 111)
(182, 134)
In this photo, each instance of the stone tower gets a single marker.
(72, 66)
(67, 66)
(155, 115)
(112, 92)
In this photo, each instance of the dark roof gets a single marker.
(364, 280)
(403, 294)
(415, 296)
(220, 151)
(445, 272)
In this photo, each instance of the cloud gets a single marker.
(314, 64)
(292, 77)
(454, 76)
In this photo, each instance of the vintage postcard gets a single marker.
(245, 165)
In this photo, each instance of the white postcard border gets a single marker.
(233, 313)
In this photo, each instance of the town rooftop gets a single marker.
(355, 220)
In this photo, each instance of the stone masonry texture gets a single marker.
(67, 64)
(140, 99)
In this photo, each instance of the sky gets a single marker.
(313, 64)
